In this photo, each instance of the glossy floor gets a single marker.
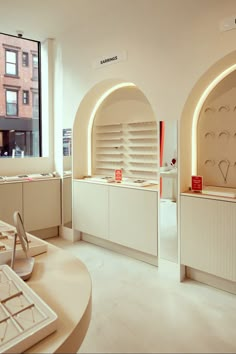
(168, 230)
(139, 308)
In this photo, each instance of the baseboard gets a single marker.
(120, 249)
(66, 233)
(212, 280)
(45, 233)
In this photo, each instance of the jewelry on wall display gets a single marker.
(216, 141)
(224, 170)
(210, 134)
(224, 108)
(224, 133)
(209, 163)
(209, 110)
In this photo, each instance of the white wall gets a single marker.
(170, 142)
(125, 105)
(169, 44)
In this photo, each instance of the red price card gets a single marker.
(118, 175)
(196, 183)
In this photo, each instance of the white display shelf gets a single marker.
(109, 160)
(25, 318)
(219, 191)
(142, 126)
(135, 143)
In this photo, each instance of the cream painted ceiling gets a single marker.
(41, 19)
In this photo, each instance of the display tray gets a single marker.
(104, 179)
(137, 183)
(25, 318)
(219, 191)
(125, 181)
(36, 246)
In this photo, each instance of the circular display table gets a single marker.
(64, 283)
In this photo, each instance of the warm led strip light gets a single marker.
(91, 119)
(197, 112)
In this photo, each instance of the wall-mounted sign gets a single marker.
(110, 59)
(196, 183)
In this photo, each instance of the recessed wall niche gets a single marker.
(124, 136)
(216, 135)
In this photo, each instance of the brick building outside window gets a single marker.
(19, 97)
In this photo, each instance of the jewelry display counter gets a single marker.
(44, 193)
(117, 216)
(64, 283)
(208, 230)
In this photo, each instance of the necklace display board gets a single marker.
(216, 142)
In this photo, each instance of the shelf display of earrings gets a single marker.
(24, 317)
(131, 146)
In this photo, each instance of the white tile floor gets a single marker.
(139, 308)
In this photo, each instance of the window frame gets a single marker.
(17, 49)
(35, 68)
(16, 62)
(25, 99)
(25, 59)
(17, 102)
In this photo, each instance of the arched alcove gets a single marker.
(216, 139)
(207, 147)
(115, 128)
(191, 112)
(85, 117)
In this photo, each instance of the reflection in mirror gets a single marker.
(168, 191)
(67, 179)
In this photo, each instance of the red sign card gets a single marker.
(196, 183)
(118, 175)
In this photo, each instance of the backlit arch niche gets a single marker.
(198, 104)
(88, 110)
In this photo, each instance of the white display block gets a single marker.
(46, 198)
(10, 201)
(133, 219)
(219, 191)
(208, 230)
(125, 215)
(91, 208)
(25, 318)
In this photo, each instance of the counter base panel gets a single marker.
(210, 279)
(120, 249)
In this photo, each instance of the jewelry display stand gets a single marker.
(7, 239)
(25, 318)
(22, 266)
